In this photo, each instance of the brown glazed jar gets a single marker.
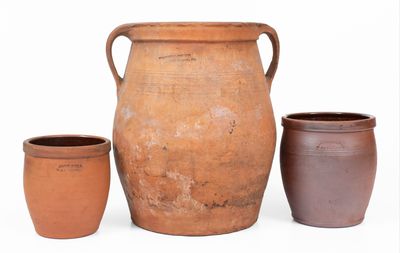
(328, 165)
(194, 130)
(66, 183)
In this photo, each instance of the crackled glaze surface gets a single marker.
(194, 132)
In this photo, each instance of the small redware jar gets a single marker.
(66, 183)
(328, 165)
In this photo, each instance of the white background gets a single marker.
(335, 56)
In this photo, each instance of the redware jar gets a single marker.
(194, 131)
(66, 183)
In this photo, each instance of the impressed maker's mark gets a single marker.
(73, 167)
(177, 57)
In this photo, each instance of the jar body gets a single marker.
(66, 196)
(194, 135)
(328, 176)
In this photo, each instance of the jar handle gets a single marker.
(121, 30)
(273, 36)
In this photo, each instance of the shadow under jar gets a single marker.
(328, 166)
(66, 183)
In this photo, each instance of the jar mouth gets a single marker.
(66, 141)
(205, 24)
(66, 146)
(329, 121)
(194, 31)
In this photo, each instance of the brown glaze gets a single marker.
(328, 165)
(194, 131)
(66, 183)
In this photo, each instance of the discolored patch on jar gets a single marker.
(210, 194)
(192, 127)
(170, 193)
(225, 121)
(181, 162)
(169, 190)
(155, 171)
(259, 112)
(156, 162)
(221, 112)
(184, 200)
(241, 66)
(152, 137)
(147, 192)
(250, 198)
(127, 113)
(217, 196)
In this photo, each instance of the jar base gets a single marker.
(168, 231)
(66, 235)
(328, 225)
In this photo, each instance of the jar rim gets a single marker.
(329, 121)
(194, 31)
(66, 146)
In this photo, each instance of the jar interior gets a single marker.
(328, 116)
(67, 141)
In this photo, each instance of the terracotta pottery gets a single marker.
(194, 131)
(66, 183)
(328, 165)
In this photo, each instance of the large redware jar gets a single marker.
(328, 165)
(194, 130)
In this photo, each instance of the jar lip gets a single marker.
(329, 121)
(66, 146)
(194, 31)
(210, 24)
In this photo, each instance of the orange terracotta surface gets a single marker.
(194, 130)
(66, 183)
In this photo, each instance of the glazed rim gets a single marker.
(329, 121)
(194, 31)
(67, 146)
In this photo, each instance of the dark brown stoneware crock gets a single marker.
(328, 165)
